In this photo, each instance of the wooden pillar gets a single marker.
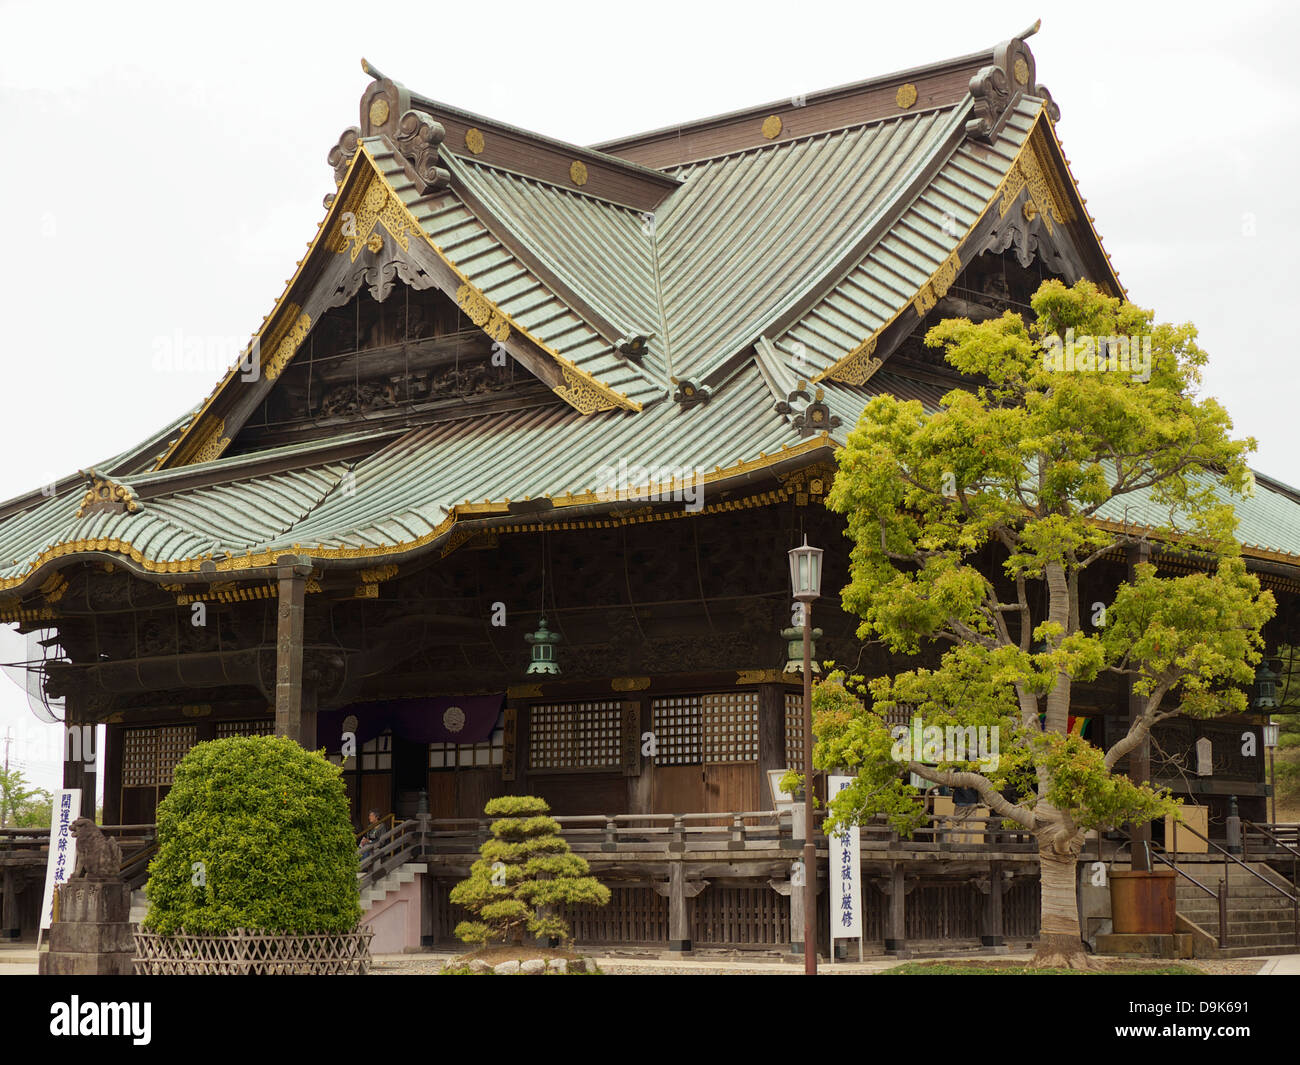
(896, 916)
(993, 890)
(1139, 759)
(771, 738)
(797, 898)
(679, 929)
(640, 787)
(76, 773)
(112, 774)
(288, 649)
(10, 923)
(428, 909)
(678, 889)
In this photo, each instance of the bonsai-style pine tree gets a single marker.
(523, 872)
(974, 529)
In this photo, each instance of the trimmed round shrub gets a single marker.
(254, 834)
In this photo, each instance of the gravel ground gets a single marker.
(730, 965)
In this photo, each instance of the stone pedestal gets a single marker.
(93, 934)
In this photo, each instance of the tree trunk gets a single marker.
(1060, 944)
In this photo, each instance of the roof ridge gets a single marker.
(878, 81)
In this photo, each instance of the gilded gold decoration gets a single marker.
(582, 394)
(809, 484)
(270, 559)
(285, 349)
(229, 592)
(906, 96)
(630, 684)
(375, 204)
(104, 494)
(376, 242)
(1020, 70)
(772, 127)
(758, 676)
(523, 691)
(197, 710)
(578, 173)
(54, 588)
(474, 140)
(378, 111)
(482, 312)
(214, 444)
(937, 287)
(379, 573)
(1043, 198)
(366, 591)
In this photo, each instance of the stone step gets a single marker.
(1254, 952)
(1235, 891)
(1260, 939)
(1239, 913)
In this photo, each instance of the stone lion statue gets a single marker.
(98, 856)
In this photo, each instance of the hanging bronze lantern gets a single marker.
(543, 643)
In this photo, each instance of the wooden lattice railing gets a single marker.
(242, 953)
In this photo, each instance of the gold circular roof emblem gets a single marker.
(1021, 71)
(578, 172)
(453, 719)
(772, 127)
(906, 96)
(378, 111)
(474, 140)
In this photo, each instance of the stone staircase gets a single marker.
(381, 888)
(1260, 920)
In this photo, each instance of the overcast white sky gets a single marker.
(167, 163)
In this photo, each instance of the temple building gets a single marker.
(503, 487)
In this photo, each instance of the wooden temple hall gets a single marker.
(504, 485)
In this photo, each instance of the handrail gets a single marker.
(1264, 831)
(1222, 894)
(1228, 854)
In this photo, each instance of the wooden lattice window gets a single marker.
(139, 757)
(378, 753)
(226, 729)
(467, 755)
(575, 735)
(794, 730)
(149, 755)
(678, 731)
(730, 727)
(719, 728)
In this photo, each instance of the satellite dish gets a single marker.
(26, 659)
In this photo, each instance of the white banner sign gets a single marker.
(845, 875)
(63, 848)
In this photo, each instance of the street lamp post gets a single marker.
(806, 582)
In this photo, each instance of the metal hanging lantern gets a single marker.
(806, 572)
(1272, 734)
(1265, 687)
(543, 643)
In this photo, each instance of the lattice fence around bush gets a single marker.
(253, 953)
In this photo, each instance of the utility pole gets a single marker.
(4, 799)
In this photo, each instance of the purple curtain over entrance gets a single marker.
(446, 719)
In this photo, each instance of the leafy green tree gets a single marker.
(523, 873)
(22, 806)
(972, 529)
(254, 834)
